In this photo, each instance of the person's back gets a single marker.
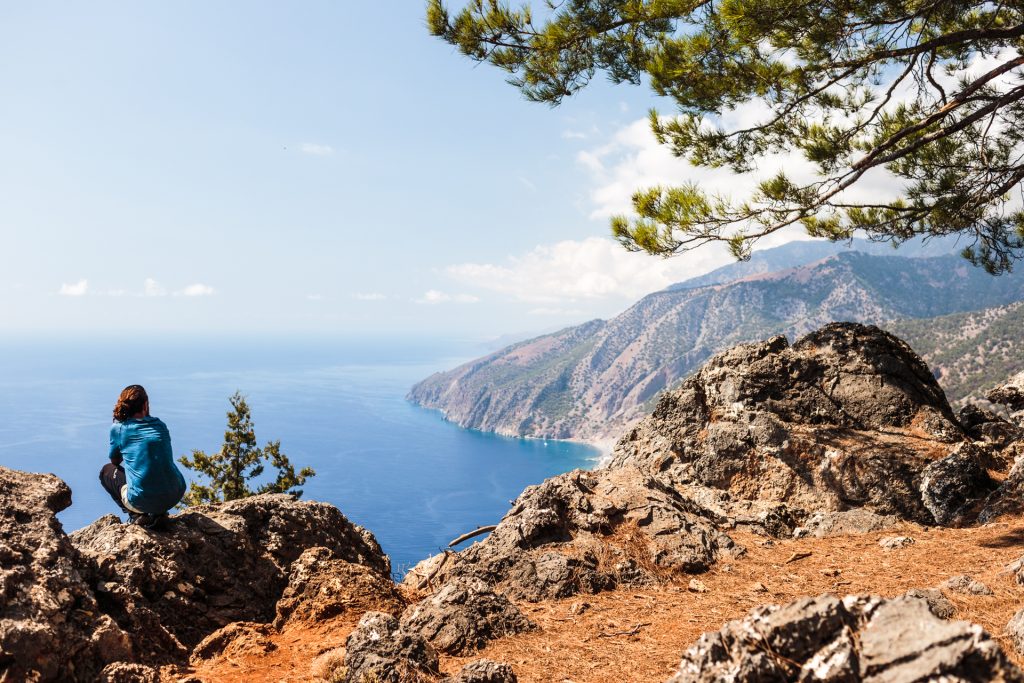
(141, 476)
(155, 484)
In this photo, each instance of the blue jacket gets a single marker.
(155, 484)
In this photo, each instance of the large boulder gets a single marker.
(51, 628)
(379, 650)
(214, 565)
(847, 417)
(858, 638)
(463, 616)
(585, 532)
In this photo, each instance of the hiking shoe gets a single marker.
(151, 522)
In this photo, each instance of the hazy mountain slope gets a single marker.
(801, 252)
(589, 381)
(969, 352)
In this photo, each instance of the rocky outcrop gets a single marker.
(380, 650)
(858, 638)
(987, 427)
(950, 487)
(215, 565)
(84, 607)
(321, 587)
(1010, 393)
(844, 430)
(585, 532)
(463, 616)
(846, 418)
(51, 628)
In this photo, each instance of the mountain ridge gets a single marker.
(587, 382)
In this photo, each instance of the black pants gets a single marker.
(112, 479)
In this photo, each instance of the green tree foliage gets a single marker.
(929, 90)
(238, 461)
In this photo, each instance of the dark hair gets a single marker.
(131, 401)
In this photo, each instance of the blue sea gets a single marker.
(338, 406)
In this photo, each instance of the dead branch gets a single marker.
(423, 584)
(798, 556)
(473, 534)
(631, 632)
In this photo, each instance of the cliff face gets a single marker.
(590, 381)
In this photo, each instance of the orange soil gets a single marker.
(599, 644)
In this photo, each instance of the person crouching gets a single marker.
(141, 476)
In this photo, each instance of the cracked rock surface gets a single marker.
(857, 638)
(848, 417)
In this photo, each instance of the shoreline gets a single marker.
(604, 445)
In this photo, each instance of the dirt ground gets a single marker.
(638, 635)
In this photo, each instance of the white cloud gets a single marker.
(369, 296)
(76, 289)
(632, 159)
(434, 296)
(197, 289)
(152, 288)
(316, 150)
(314, 297)
(592, 269)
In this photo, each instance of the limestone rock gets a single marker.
(379, 650)
(858, 638)
(123, 672)
(1010, 392)
(846, 418)
(51, 628)
(1009, 497)
(984, 425)
(856, 521)
(951, 485)
(938, 604)
(239, 638)
(463, 616)
(484, 671)
(554, 540)
(895, 542)
(214, 565)
(965, 585)
(322, 587)
(1015, 630)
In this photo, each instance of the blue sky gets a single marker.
(315, 167)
